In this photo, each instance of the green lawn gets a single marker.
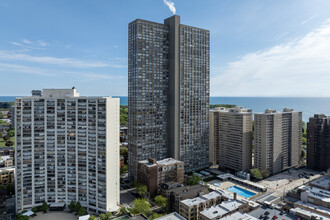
(3, 143)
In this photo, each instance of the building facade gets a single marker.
(318, 142)
(168, 93)
(277, 140)
(234, 138)
(152, 173)
(190, 208)
(7, 176)
(67, 149)
(214, 137)
(175, 193)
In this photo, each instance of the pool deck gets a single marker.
(226, 184)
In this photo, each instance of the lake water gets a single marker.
(309, 106)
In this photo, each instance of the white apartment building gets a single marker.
(67, 149)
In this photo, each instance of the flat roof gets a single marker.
(239, 215)
(305, 212)
(213, 212)
(211, 195)
(318, 193)
(171, 216)
(194, 201)
(324, 182)
(168, 161)
(320, 209)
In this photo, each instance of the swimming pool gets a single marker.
(240, 191)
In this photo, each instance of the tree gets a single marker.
(22, 217)
(81, 211)
(161, 201)
(256, 173)
(9, 143)
(11, 133)
(72, 206)
(194, 179)
(5, 138)
(103, 217)
(92, 217)
(141, 206)
(44, 207)
(77, 207)
(141, 189)
(264, 173)
(155, 215)
(124, 152)
(123, 210)
(108, 215)
(34, 209)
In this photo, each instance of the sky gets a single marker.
(258, 47)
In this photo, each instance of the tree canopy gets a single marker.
(161, 201)
(141, 206)
(194, 179)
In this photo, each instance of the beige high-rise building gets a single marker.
(232, 138)
(277, 140)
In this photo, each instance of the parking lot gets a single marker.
(289, 180)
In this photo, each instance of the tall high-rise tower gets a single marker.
(234, 139)
(67, 149)
(277, 140)
(168, 93)
(318, 142)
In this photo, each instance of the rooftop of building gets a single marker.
(194, 201)
(57, 93)
(231, 205)
(323, 182)
(164, 162)
(4, 158)
(211, 195)
(2, 169)
(171, 216)
(221, 209)
(237, 110)
(184, 190)
(307, 213)
(239, 215)
(213, 212)
(273, 111)
(320, 209)
(168, 161)
(318, 193)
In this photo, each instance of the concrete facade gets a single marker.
(235, 138)
(318, 142)
(67, 149)
(214, 137)
(277, 140)
(168, 93)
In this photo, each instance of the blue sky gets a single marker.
(258, 47)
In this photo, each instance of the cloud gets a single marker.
(307, 20)
(30, 45)
(67, 62)
(14, 68)
(170, 5)
(300, 67)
